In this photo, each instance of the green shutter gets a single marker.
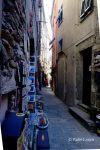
(83, 7)
(87, 6)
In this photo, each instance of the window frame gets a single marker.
(86, 9)
(90, 3)
(60, 44)
(60, 16)
(82, 9)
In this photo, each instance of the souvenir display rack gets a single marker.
(36, 119)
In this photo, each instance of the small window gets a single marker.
(61, 44)
(60, 16)
(87, 6)
(82, 9)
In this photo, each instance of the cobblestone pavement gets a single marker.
(65, 132)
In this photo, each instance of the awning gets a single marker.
(12, 125)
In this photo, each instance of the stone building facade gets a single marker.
(12, 53)
(78, 44)
(20, 37)
(53, 44)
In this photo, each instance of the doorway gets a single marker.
(87, 56)
(61, 76)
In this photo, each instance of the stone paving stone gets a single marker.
(65, 132)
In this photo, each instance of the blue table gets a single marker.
(11, 130)
(12, 125)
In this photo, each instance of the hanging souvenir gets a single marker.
(5, 34)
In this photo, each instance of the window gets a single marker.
(82, 9)
(61, 44)
(60, 16)
(87, 6)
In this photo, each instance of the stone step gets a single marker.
(83, 107)
(83, 117)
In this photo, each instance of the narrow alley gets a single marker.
(65, 132)
(49, 74)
